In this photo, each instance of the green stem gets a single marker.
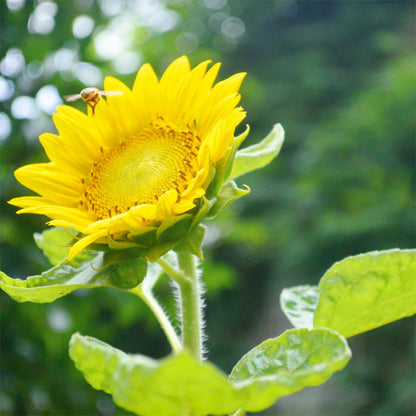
(176, 275)
(145, 292)
(190, 302)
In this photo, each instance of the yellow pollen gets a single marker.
(141, 169)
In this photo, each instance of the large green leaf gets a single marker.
(299, 304)
(176, 385)
(90, 269)
(285, 365)
(179, 385)
(366, 291)
(258, 155)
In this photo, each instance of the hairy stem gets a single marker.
(145, 292)
(191, 305)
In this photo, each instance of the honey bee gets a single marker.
(91, 96)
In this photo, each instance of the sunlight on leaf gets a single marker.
(176, 385)
(366, 291)
(179, 385)
(285, 365)
(299, 304)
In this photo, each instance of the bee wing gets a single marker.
(70, 98)
(110, 93)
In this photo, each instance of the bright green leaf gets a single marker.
(284, 365)
(260, 154)
(179, 385)
(176, 385)
(55, 244)
(299, 304)
(366, 291)
(89, 269)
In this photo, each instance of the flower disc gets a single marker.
(141, 169)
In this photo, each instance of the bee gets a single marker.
(91, 96)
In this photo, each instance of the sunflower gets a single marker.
(147, 160)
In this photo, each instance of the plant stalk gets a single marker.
(145, 292)
(191, 305)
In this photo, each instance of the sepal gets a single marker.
(192, 242)
(258, 155)
(230, 192)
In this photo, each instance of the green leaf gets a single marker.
(120, 269)
(179, 385)
(284, 365)
(176, 385)
(55, 244)
(299, 304)
(229, 193)
(366, 291)
(260, 154)
(125, 269)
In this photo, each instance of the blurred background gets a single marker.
(339, 76)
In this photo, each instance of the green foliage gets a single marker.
(366, 291)
(122, 269)
(260, 154)
(176, 385)
(357, 294)
(281, 366)
(179, 384)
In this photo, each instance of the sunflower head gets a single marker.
(146, 166)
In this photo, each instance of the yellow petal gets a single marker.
(85, 242)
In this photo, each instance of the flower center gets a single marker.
(141, 169)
